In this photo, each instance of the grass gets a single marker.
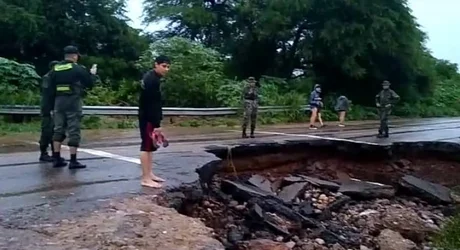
(449, 237)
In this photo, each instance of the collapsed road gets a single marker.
(325, 194)
(48, 209)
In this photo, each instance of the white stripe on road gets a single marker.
(314, 136)
(110, 155)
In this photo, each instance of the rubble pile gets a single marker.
(324, 194)
(304, 212)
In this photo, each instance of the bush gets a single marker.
(19, 83)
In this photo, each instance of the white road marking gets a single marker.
(100, 153)
(110, 155)
(315, 137)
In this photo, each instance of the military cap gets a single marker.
(251, 79)
(386, 83)
(71, 50)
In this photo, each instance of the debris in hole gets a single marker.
(302, 215)
(431, 191)
(315, 201)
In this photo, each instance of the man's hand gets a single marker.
(378, 105)
(388, 106)
(93, 69)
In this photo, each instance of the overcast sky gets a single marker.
(439, 18)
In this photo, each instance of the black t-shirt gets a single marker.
(150, 100)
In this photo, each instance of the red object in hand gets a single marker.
(159, 139)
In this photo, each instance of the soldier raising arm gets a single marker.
(69, 80)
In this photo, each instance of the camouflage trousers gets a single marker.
(383, 116)
(46, 136)
(67, 121)
(250, 112)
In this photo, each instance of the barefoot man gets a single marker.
(150, 116)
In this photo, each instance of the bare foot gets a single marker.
(156, 178)
(150, 183)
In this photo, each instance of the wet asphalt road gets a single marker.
(113, 171)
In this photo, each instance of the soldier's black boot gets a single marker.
(74, 164)
(253, 128)
(385, 134)
(244, 135)
(380, 134)
(52, 150)
(58, 161)
(45, 157)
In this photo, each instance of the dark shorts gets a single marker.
(317, 107)
(146, 130)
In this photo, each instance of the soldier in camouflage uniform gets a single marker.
(46, 106)
(251, 98)
(384, 102)
(69, 81)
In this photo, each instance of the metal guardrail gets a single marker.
(132, 111)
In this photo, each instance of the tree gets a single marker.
(195, 75)
(36, 31)
(349, 46)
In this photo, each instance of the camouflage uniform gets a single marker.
(251, 98)
(384, 102)
(69, 81)
(46, 106)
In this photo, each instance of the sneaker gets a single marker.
(341, 125)
(313, 127)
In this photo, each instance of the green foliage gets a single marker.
(230, 93)
(347, 46)
(196, 72)
(449, 237)
(36, 31)
(19, 83)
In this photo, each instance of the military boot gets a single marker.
(76, 165)
(244, 135)
(45, 157)
(380, 134)
(59, 162)
(252, 131)
(385, 134)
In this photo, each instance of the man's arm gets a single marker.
(394, 97)
(52, 86)
(153, 109)
(244, 92)
(377, 100)
(86, 78)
